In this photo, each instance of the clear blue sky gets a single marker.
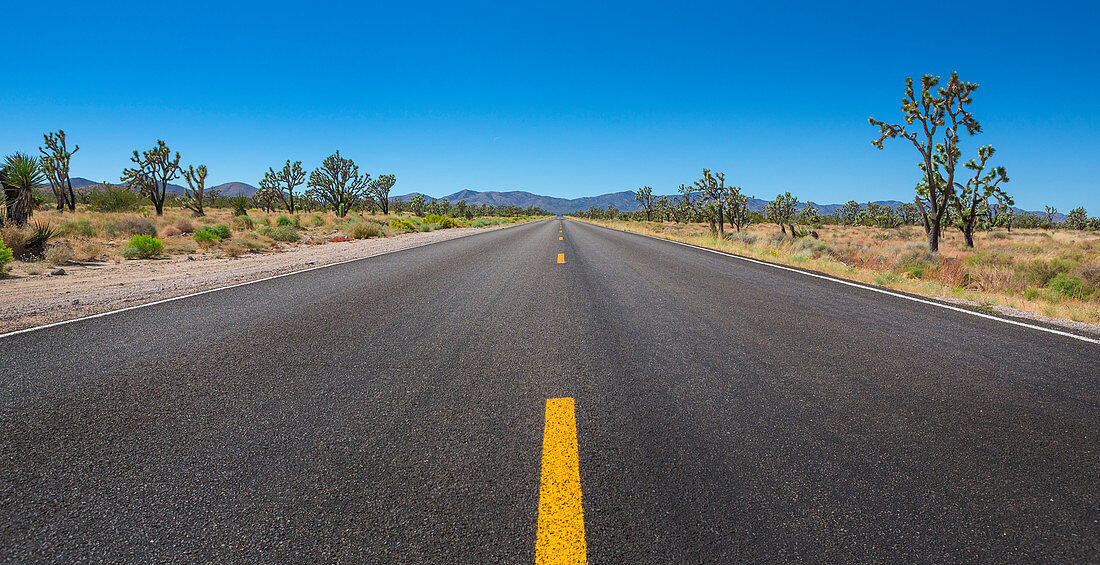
(564, 99)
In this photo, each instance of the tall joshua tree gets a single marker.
(644, 196)
(939, 113)
(152, 171)
(712, 187)
(337, 182)
(196, 188)
(280, 185)
(55, 165)
(379, 188)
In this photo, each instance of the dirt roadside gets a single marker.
(92, 288)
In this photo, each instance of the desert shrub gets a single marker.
(132, 226)
(78, 228)
(363, 230)
(317, 221)
(283, 221)
(207, 235)
(222, 230)
(1041, 272)
(998, 235)
(444, 222)
(34, 240)
(59, 254)
(170, 231)
(402, 224)
(1090, 272)
(15, 238)
(285, 233)
(1069, 286)
(6, 256)
(184, 226)
(427, 227)
(741, 237)
(243, 222)
(143, 246)
(265, 230)
(114, 199)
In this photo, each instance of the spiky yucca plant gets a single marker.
(22, 173)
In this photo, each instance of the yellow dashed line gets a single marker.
(561, 257)
(560, 238)
(561, 519)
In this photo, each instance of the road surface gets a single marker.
(395, 410)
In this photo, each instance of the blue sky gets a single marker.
(565, 99)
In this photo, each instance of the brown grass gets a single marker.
(1025, 269)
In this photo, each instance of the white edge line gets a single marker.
(863, 286)
(221, 288)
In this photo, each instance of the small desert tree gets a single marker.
(973, 197)
(152, 171)
(379, 188)
(20, 174)
(417, 204)
(939, 113)
(1077, 219)
(644, 196)
(55, 165)
(712, 188)
(736, 207)
(781, 211)
(279, 185)
(196, 187)
(337, 182)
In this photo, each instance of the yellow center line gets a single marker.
(561, 257)
(561, 519)
(560, 238)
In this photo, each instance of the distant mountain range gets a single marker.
(622, 200)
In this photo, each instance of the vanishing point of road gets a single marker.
(554, 391)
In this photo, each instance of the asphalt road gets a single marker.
(391, 410)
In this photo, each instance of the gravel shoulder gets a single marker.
(95, 287)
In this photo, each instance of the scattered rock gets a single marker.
(813, 234)
(75, 302)
(339, 238)
(57, 272)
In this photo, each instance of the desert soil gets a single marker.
(95, 287)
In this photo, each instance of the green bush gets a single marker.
(444, 222)
(265, 230)
(1042, 272)
(402, 224)
(285, 233)
(82, 228)
(1069, 286)
(207, 234)
(284, 221)
(240, 205)
(6, 256)
(113, 199)
(143, 246)
(317, 221)
(243, 222)
(222, 231)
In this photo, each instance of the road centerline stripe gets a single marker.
(560, 537)
(561, 257)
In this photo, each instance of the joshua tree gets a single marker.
(736, 206)
(152, 172)
(380, 187)
(20, 174)
(337, 182)
(196, 183)
(1051, 211)
(55, 165)
(644, 196)
(1077, 219)
(712, 187)
(809, 215)
(279, 185)
(781, 210)
(939, 116)
(973, 197)
(417, 204)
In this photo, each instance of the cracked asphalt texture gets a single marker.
(390, 410)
